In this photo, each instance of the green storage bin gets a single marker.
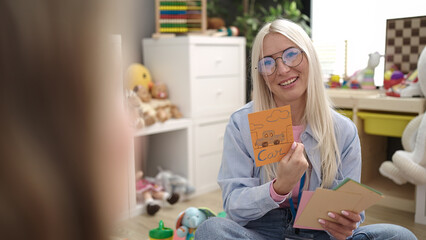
(347, 113)
(384, 124)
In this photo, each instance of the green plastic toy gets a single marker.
(161, 233)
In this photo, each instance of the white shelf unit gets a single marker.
(206, 79)
(169, 125)
(168, 145)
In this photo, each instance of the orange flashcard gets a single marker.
(271, 134)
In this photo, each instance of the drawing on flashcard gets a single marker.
(268, 138)
(271, 133)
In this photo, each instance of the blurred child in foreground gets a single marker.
(64, 134)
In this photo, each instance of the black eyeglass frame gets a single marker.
(275, 60)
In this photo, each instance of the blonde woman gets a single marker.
(261, 201)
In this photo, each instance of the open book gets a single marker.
(349, 195)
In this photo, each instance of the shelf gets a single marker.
(335, 92)
(169, 125)
(347, 98)
(399, 197)
(392, 104)
(375, 100)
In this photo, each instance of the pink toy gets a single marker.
(148, 191)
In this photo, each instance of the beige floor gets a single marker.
(138, 227)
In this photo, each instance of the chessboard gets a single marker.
(405, 40)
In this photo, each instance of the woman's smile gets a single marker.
(288, 83)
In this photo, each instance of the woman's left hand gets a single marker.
(345, 224)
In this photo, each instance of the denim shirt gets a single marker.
(245, 196)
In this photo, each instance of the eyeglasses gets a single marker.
(291, 57)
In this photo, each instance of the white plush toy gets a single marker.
(173, 183)
(410, 164)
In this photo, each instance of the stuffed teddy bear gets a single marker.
(148, 191)
(410, 164)
(143, 93)
(149, 112)
(163, 106)
(190, 219)
(135, 110)
(173, 183)
(154, 97)
(215, 23)
(139, 81)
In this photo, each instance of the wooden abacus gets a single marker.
(180, 17)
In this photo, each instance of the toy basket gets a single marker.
(383, 124)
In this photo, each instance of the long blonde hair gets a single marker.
(318, 113)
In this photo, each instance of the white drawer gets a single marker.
(218, 95)
(206, 171)
(212, 60)
(209, 138)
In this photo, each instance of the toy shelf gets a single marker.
(167, 145)
(358, 104)
(169, 125)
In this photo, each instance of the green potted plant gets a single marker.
(256, 14)
(251, 15)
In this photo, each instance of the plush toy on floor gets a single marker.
(190, 219)
(148, 191)
(410, 164)
(173, 183)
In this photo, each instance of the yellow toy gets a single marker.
(138, 75)
(334, 81)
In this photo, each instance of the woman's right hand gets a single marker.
(290, 169)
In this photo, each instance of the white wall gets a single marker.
(362, 23)
(135, 20)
